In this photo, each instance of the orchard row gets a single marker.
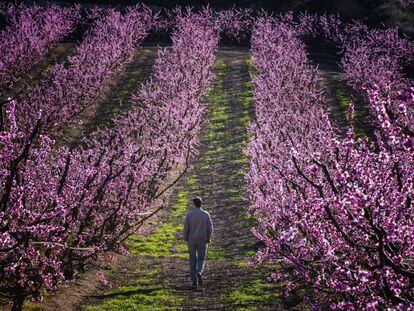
(335, 212)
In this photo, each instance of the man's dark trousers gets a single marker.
(197, 251)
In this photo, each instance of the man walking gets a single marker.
(198, 230)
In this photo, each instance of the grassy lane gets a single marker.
(337, 94)
(155, 276)
(116, 98)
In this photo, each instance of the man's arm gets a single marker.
(186, 229)
(209, 229)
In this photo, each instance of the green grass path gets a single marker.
(155, 276)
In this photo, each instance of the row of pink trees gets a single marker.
(235, 23)
(30, 32)
(371, 57)
(375, 59)
(63, 207)
(69, 88)
(335, 212)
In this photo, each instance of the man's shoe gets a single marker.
(194, 287)
(199, 279)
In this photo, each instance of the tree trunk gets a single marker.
(18, 303)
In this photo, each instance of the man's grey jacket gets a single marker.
(198, 227)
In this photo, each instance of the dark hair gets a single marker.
(197, 202)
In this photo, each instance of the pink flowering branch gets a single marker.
(30, 32)
(68, 89)
(335, 212)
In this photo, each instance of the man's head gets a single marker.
(197, 202)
